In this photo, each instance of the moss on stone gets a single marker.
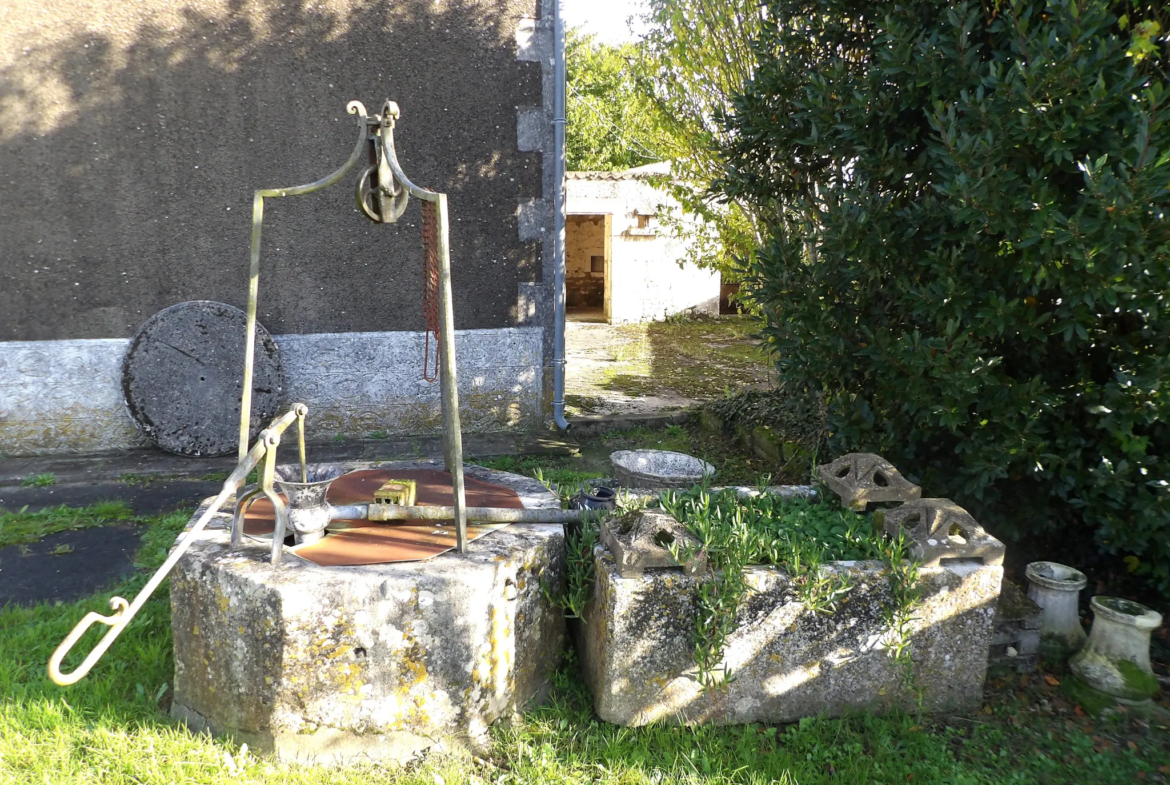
(1136, 679)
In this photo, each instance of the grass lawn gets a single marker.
(113, 726)
(733, 465)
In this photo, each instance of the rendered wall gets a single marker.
(132, 137)
(66, 396)
(646, 281)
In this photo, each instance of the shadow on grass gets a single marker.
(699, 359)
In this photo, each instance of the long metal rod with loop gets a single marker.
(125, 611)
(353, 107)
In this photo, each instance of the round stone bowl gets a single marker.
(659, 469)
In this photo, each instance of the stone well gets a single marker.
(332, 665)
(786, 661)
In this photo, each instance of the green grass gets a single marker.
(696, 358)
(733, 464)
(113, 728)
(25, 527)
(774, 530)
(565, 471)
(39, 480)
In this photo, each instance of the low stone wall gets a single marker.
(66, 396)
(786, 661)
(330, 665)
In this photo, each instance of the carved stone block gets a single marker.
(644, 542)
(401, 492)
(862, 477)
(942, 530)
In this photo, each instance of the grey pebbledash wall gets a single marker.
(132, 136)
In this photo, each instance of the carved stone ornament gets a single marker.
(942, 530)
(862, 477)
(643, 542)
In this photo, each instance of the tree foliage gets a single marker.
(610, 124)
(696, 56)
(968, 250)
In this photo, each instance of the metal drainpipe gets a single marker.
(559, 219)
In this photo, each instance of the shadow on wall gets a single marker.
(132, 136)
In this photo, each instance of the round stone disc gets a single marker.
(183, 377)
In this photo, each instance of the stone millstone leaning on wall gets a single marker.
(786, 660)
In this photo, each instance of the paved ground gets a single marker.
(67, 565)
(659, 366)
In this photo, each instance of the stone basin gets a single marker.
(786, 659)
(659, 469)
(337, 665)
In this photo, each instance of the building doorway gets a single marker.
(588, 260)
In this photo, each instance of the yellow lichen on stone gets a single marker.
(412, 669)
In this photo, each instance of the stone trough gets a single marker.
(787, 661)
(331, 665)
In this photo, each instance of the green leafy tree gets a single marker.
(696, 56)
(968, 254)
(610, 125)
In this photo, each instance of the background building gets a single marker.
(622, 265)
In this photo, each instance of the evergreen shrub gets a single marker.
(968, 252)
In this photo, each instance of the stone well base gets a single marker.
(332, 665)
(787, 662)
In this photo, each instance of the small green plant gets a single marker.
(143, 480)
(39, 480)
(903, 577)
(338, 437)
(800, 535)
(377, 434)
(579, 543)
(62, 550)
